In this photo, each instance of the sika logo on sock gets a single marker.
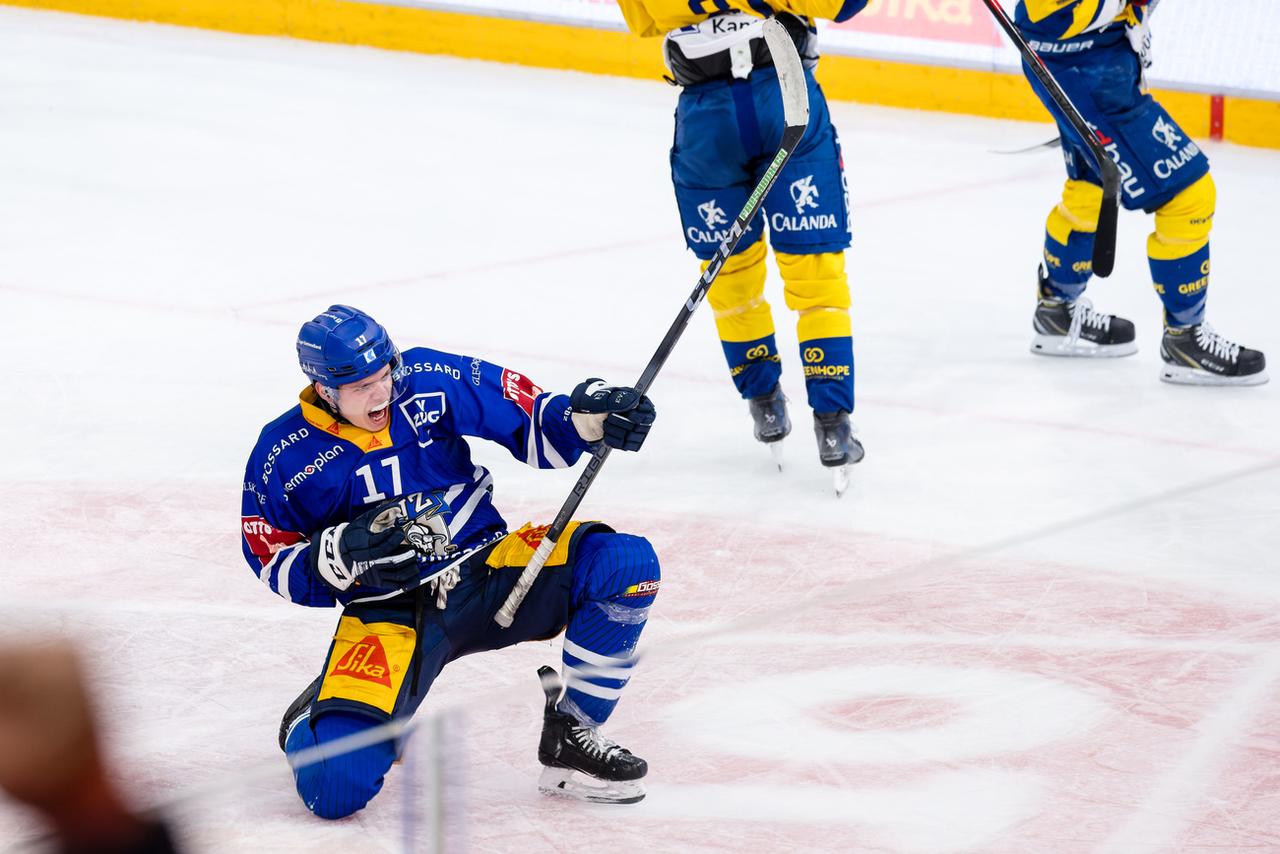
(365, 660)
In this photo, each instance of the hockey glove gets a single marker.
(371, 550)
(617, 415)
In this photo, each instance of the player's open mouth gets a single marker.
(379, 413)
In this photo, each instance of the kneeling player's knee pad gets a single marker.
(1069, 235)
(615, 581)
(1178, 252)
(615, 568)
(340, 785)
(737, 296)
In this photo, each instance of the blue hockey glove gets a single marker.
(371, 550)
(617, 415)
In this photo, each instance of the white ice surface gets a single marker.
(173, 204)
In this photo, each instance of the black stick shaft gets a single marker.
(793, 86)
(1104, 244)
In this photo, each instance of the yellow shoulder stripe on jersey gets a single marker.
(320, 418)
(1084, 15)
(1038, 10)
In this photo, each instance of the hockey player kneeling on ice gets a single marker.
(1097, 50)
(364, 495)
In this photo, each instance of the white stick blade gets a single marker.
(795, 92)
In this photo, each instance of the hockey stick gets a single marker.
(795, 107)
(1104, 244)
(1048, 143)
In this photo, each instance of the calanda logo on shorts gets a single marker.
(1166, 134)
(712, 215)
(805, 196)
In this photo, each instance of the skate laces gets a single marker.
(1216, 344)
(443, 583)
(1082, 315)
(593, 743)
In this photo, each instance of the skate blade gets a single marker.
(775, 449)
(1056, 345)
(1180, 375)
(566, 783)
(840, 478)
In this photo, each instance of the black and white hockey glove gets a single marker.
(619, 416)
(371, 550)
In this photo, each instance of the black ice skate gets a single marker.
(580, 763)
(772, 425)
(299, 710)
(838, 448)
(1196, 355)
(1066, 328)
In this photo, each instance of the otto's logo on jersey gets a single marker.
(1166, 134)
(814, 354)
(759, 351)
(263, 540)
(421, 411)
(365, 660)
(711, 214)
(520, 389)
(804, 194)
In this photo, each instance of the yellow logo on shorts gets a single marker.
(814, 354)
(758, 352)
(368, 662)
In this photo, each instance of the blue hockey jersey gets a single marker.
(309, 471)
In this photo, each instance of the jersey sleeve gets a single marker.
(638, 19)
(275, 537)
(506, 407)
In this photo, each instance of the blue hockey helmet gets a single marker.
(344, 345)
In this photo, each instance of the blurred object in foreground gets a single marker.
(49, 757)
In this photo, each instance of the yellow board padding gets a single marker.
(368, 663)
(737, 296)
(1078, 211)
(516, 549)
(1183, 223)
(870, 81)
(394, 28)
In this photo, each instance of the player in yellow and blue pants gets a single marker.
(1095, 50)
(728, 126)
